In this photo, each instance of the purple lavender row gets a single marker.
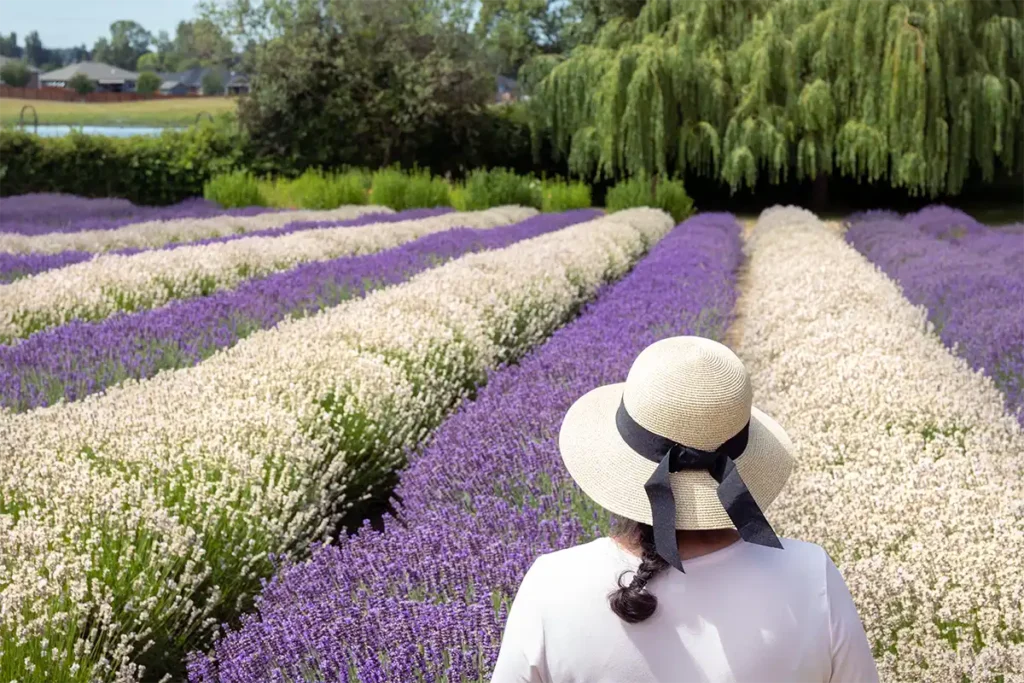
(81, 358)
(969, 277)
(37, 214)
(427, 600)
(15, 266)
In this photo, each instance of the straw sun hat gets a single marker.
(678, 445)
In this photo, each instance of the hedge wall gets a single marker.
(145, 170)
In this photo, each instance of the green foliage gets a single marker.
(495, 187)
(148, 61)
(15, 74)
(234, 189)
(147, 170)
(81, 84)
(408, 190)
(560, 195)
(315, 189)
(128, 41)
(358, 82)
(917, 93)
(212, 84)
(148, 83)
(667, 195)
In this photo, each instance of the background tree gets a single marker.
(9, 45)
(35, 53)
(81, 84)
(148, 83)
(128, 41)
(213, 84)
(513, 31)
(149, 61)
(15, 74)
(366, 82)
(203, 42)
(770, 90)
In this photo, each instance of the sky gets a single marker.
(68, 23)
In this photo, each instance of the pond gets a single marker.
(51, 131)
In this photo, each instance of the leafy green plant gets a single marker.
(212, 84)
(668, 195)
(561, 195)
(81, 84)
(161, 169)
(408, 189)
(235, 189)
(316, 189)
(148, 83)
(15, 73)
(498, 186)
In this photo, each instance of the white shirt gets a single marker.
(743, 613)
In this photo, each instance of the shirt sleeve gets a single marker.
(851, 655)
(522, 657)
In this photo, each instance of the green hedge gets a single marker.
(145, 170)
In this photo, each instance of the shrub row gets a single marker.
(213, 160)
(146, 170)
(401, 190)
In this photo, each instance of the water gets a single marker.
(51, 131)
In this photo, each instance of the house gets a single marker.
(173, 87)
(106, 77)
(508, 90)
(190, 82)
(238, 84)
(33, 81)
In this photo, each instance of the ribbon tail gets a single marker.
(663, 513)
(742, 509)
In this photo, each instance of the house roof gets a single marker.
(94, 71)
(4, 60)
(193, 77)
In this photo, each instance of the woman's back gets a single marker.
(742, 613)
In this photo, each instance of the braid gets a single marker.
(634, 603)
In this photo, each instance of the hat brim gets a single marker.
(613, 475)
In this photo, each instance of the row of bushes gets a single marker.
(398, 189)
(205, 160)
(150, 170)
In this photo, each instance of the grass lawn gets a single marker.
(179, 111)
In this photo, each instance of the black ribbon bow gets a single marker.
(674, 457)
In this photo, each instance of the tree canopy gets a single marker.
(917, 93)
(355, 81)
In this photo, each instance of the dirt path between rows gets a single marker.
(734, 335)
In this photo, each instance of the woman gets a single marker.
(695, 586)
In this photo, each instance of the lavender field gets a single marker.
(194, 401)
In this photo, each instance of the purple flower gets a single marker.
(37, 214)
(426, 599)
(80, 358)
(970, 278)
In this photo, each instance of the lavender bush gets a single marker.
(36, 214)
(80, 358)
(970, 278)
(15, 266)
(426, 599)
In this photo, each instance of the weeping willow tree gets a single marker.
(921, 94)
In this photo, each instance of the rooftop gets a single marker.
(94, 71)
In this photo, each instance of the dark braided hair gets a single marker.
(634, 603)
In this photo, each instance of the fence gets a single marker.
(68, 95)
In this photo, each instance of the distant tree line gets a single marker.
(197, 42)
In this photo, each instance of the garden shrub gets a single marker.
(402, 190)
(235, 189)
(498, 186)
(667, 195)
(146, 170)
(316, 189)
(561, 195)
